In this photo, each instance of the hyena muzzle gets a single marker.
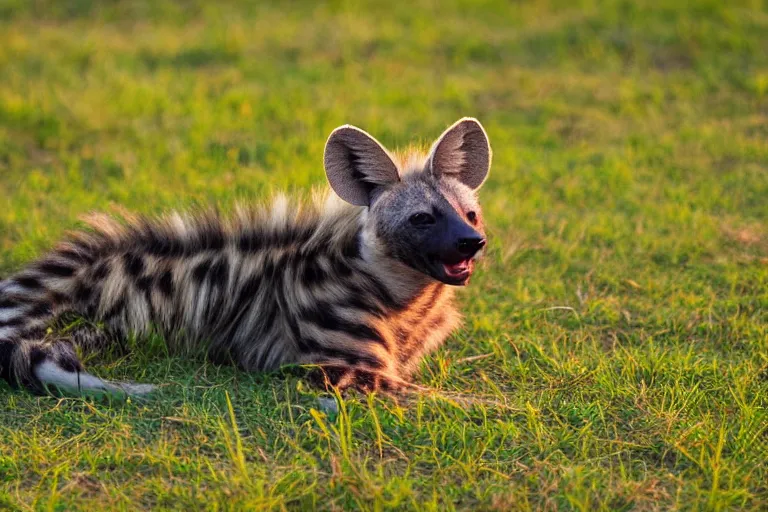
(360, 289)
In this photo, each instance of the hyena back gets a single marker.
(362, 289)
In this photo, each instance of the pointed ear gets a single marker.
(462, 152)
(356, 163)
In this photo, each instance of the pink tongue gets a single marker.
(455, 268)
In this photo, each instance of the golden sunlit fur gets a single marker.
(291, 282)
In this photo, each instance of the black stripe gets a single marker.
(268, 238)
(29, 282)
(310, 253)
(88, 247)
(67, 359)
(310, 345)
(351, 249)
(287, 315)
(354, 359)
(7, 303)
(82, 292)
(429, 303)
(134, 264)
(243, 303)
(278, 238)
(305, 232)
(144, 283)
(76, 256)
(101, 271)
(269, 320)
(435, 323)
(7, 349)
(313, 273)
(249, 289)
(201, 270)
(263, 355)
(88, 295)
(159, 246)
(341, 268)
(91, 309)
(13, 322)
(249, 242)
(231, 324)
(36, 356)
(115, 310)
(40, 309)
(254, 241)
(363, 303)
(219, 273)
(210, 237)
(165, 283)
(325, 317)
(268, 270)
(58, 298)
(269, 316)
(275, 269)
(409, 349)
(333, 374)
(377, 288)
(365, 332)
(56, 269)
(157, 241)
(402, 335)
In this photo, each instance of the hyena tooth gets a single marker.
(361, 289)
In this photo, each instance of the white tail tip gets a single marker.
(51, 374)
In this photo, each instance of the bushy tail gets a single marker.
(29, 301)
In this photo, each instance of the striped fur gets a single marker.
(295, 282)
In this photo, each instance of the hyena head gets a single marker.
(421, 211)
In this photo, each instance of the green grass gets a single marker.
(615, 349)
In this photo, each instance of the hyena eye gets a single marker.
(421, 219)
(472, 217)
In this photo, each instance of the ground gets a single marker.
(615, 349)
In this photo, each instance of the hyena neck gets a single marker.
(401, 281)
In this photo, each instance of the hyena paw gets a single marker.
(346, 377)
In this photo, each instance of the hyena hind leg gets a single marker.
(88, 337)
(45, 364)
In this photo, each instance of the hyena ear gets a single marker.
(462, 152)
(356, 164)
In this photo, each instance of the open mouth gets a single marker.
(460, 270)
(456, 272)
(451, 269)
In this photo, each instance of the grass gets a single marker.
(615, 349)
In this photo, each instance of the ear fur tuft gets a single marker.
(356, 163)
(462, 152)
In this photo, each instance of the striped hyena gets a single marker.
(361, 289)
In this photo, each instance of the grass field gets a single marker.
(615, 349)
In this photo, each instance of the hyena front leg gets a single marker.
(328, 376)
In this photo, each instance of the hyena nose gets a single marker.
(469, 246)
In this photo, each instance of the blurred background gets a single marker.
(596, 110)
(625, 291)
